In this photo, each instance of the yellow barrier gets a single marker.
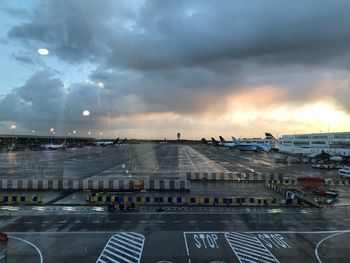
(14, 199)
(188, 200)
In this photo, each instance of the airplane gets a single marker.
(336, 155)
(225, 143)
(163, 142)
(105, 143)
(52, 146)
(122, 141)
(215, 142)
(256, 147)
(235, 144)
(203, 140)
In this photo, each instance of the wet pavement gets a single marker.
(64, 232)
(221, 235)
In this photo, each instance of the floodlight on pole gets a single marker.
(13, 127)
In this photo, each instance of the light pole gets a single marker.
(52, 131)
(13, 127)
(74, 132)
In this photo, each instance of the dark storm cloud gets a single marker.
(45, 99)
(23, 59)
(38, 98)
(72, 30)
(178, 56)
(195, 33)
(181, 33)
(16, 12)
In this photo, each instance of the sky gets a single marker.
(151, 69)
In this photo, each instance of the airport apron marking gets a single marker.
(123, 247)
(273, 240)
(248, 248)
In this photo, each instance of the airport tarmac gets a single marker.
(89, 162)
(144, 161)
(64, 231)
(247, 162)
(137, 161)
(259, 235)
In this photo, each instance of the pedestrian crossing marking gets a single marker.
(123, 247)
(248, 248)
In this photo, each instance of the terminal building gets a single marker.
(308, 140)
(318, 140)
(254, 140)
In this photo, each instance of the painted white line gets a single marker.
(319, 243)
(121, 251)
(126, 244)
(31, 244)
(220, 211)
(49, 232)
(126, 239)
(249, 247)
(123, 247)
(240, 244)
(133, 236)
(187, 251)
(259, 253)
(273, 232)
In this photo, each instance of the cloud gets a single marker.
(183, 58)
(24, 59)
(161, 35)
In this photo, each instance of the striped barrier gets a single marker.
(337, 182)
(90, 184)
(289, 181)
(294, 181)
(232, 176)
(14, 199)
(290, 197)
(187, 200)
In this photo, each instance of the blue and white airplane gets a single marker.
(256, 147)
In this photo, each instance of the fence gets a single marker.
(94, 184)
(189, 200)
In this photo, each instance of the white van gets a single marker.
(344, 172)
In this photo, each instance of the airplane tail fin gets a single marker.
(222, 139)
(215, 142)
(235, 141)
(204, 141)
(269, 136)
